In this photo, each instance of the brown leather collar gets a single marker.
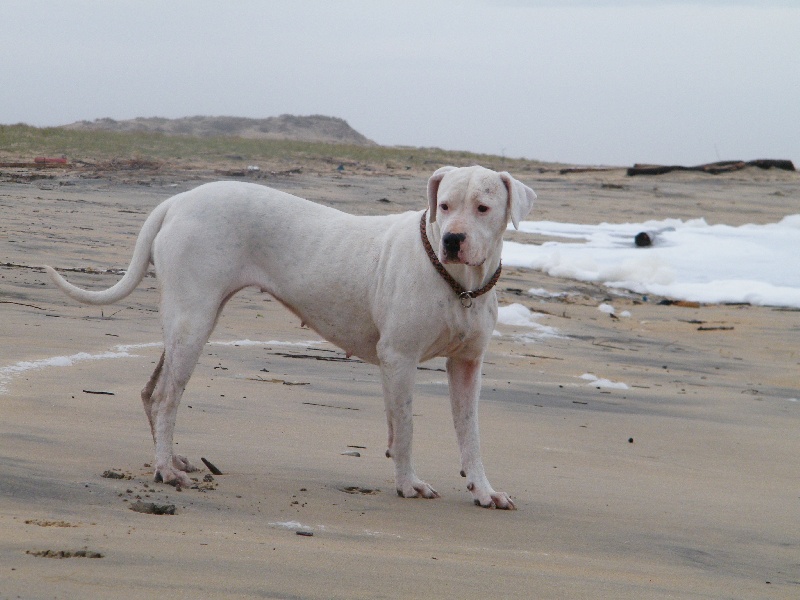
(464, 295)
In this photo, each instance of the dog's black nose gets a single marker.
(452, 243)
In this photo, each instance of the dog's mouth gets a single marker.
(450, 259)
(455, 260)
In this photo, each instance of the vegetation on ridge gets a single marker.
(23, 142)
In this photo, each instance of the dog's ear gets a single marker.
(433, 189)
(520, 198)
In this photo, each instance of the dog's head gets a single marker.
(472, 206)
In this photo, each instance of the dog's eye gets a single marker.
(443, 207)
(482, 208)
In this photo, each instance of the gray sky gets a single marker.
(603, 82)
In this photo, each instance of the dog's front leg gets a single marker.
(397, 376)
(464, 377)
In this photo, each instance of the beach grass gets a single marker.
(23, 142)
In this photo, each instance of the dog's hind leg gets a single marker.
(147, 396)
(186, 330)
(150, 401)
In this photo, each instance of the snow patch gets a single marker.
(517, 315)
(689, 260)
(595, 381)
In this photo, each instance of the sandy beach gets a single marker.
(683, 484)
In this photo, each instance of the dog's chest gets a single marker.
(464, 331)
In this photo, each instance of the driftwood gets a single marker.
(569, 170)
(712, 168)
(211, 466)
(35, 165)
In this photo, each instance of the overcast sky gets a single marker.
(591, 82)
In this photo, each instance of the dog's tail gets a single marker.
(136, 270)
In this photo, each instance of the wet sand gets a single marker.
(683, 485)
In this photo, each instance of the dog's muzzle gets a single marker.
(451, 243)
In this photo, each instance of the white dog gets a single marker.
(366, 284)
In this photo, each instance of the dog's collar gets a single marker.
(464, 295)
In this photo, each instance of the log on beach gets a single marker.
(714, 168)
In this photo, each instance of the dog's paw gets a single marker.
(181, 463)
(488, 498)
(416, 489)
(172, 476)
